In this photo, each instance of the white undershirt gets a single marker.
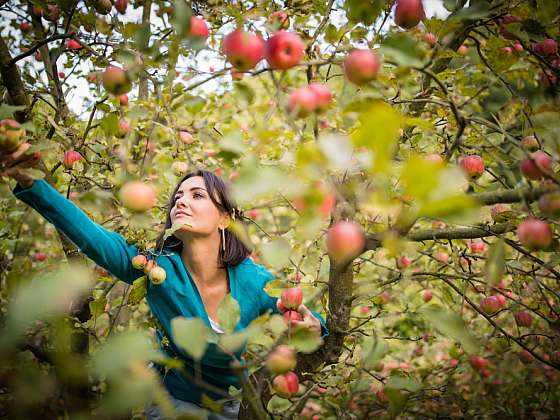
(215, 326)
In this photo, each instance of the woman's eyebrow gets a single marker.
(193, 188)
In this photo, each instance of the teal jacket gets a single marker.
(176, 296)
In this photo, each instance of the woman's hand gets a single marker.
(13, 164)
(309, 320)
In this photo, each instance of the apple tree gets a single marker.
(397, 166)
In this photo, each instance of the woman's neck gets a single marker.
(200, 255)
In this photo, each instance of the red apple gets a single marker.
(139, 261)
(186, 137)
(477, 247)
(361, 66)
(302, 102)
(546, 47)
(454, 362)
(502, 300)
(524, 318)
(281, 360)
(279, 20)
(286, 385)
(323, 95)
(430, 38)
(40, 256)
(25, 27)
(403, 262)
(409, 13)
(427, 295)
(292, 298)
(253, 214)
(442, 256)
(500, 212)
(70, 158)
(490, 304)
(123, 100)
(123, 128)
(138, 196)
(345, 240)
(121, 6)
(526, 357)
(199, 28)
(103, 6)
(38, 56)
(72, 44)
(243, 49)
(149, 265)
(534, 166)
(365, 310)
(478, 362)
(116, 80)
(61, 75)
(292, 317)
(462, 50)
(157, 275)
(534, 234)
(530, 144)
(12, 135)
(550, 203)
(473, 166)
(507, 50)
(284, 50)
(52, 12)
(517, 46)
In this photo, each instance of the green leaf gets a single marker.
(378, 131)
(373, 350)
(276, 252)
(446, 207)
(397, 400)
(110, 123)
(181, 19)
(304, 340)
(274, 288)
(495, 263)
(420, 176)
(452, 325)
(231, 343)
(191, 335)
(403, 49)
(138, 292)
(97, 307)
(233, 143)
(338, 151)
(547, 10)
(142, 37)
(174, 228)
(363, 11)
(402, 382)
(228, 314)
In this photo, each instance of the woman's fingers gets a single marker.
(12, 157)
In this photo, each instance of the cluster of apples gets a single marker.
(155, 273)
(281, 362)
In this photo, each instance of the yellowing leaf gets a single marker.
(191, 335)
(228, 314)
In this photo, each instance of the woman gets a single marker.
(203, 260)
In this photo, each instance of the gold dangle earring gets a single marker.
(224, 240)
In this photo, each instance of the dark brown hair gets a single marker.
(218, 190)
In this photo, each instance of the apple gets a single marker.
(345, 240)
(72, 44)
(546, 47)
(253, 214)
(478, 362)
(534, 166)
(286, 385)
(534, 234)
(70, 158)
(408, 13)
(138, 196)
(38, 56)
(323, 95)
(454, 363)
(52, 13)
(199, 28)
(281, 360)
(121, 6)
(477, 247)
(517, 46)
(506, 20)
(12, 135)
(361, 66)
(430, 39)
(302, 102)
(157, 275)
(123, 99)
(403, 262)
(524, 318)
(284, 50)
(442, 256)
(103, 6)
(180, 168)
(500, 212)
(490, 304)
(123, 128)
(507, 50)
(186, 137)
(139, 261)
(291, 298)
(530, 144)
(292, 317)
(427, 295)
(525, 357)
(365, 309)
(25, 27)
(324, 123)
(243, 49)
(61, 75)
(381, 397)
(149, 265)
(502, 300)
(40, 256)
(550, 203)
(279, 20)
(463, 50)
(116, 80)
(472, 166)
(91, 77)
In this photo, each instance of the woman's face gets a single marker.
(194, 207)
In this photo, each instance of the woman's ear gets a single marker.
(225, 221)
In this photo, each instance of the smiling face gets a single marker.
(193, 206)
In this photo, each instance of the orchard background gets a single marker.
(439, 142)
